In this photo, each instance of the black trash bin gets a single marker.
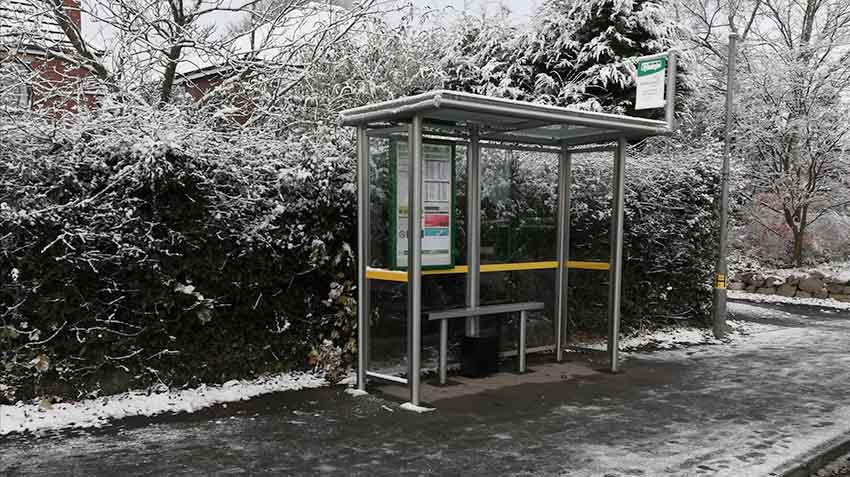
(479, 355)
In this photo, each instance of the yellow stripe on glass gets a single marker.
(401, 276)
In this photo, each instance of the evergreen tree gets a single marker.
(486, 57)
(580, 50)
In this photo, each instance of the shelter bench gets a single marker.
(444, 316)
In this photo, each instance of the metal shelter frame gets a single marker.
(481, 121)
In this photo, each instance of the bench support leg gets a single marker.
(523, 317)
(444, 349)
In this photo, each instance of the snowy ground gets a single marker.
(677, 337)
(37, 417)
(837, 270)
(736, 409)
(757, 298)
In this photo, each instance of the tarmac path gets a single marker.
(737, 409)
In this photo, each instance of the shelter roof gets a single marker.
(504, 120)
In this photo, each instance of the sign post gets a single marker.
(718, 311)
(651, 79)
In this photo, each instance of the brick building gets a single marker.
(36, 59)
(200, 73)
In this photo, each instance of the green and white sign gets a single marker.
(437, 205)
(651, 80)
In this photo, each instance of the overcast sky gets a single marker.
(521, 11)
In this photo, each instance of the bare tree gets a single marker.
(792, 123)
(145, 45)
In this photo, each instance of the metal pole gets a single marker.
(718, 312)
(616, 272)
(362, 257)
(561, 277)
(444, 349)
(414, 258)
(473, 230)
(670, 106)
(523, 319)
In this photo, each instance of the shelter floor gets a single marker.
(542, 370)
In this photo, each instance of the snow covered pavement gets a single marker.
(776, 299)
(37, 418)
(737, 409)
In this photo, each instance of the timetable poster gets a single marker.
(437, 190)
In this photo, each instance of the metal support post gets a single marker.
(414, 259)
(616, 272)
(444, 349)
(523, 319)
(362, 257)
(473, 229)
(718, 312)
(561, 277)
(670, 104)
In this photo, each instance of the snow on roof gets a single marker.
(30, 23)
(272, 43)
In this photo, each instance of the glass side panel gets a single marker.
(519, 206)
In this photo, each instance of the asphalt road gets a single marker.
(735, 409)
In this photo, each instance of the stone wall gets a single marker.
(809, 285)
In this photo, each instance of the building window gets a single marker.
(14, 86)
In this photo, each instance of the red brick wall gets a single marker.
(59, 85)
(72, 8)
(197, 88)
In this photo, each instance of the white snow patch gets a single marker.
(754, 297)
(325, 468)
(676, 337)
(356, 392)
(409, 406)
(24, 417)
(837, 270)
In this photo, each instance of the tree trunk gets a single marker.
(168, 76)
(797, 252)
(796, 222)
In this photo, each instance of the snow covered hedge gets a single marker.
(670, 233)
(139, 248)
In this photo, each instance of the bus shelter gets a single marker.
(481, 121)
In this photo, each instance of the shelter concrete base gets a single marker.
(459, 386)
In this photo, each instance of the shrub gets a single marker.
(670, 241)
(143, 248)
(147, 249)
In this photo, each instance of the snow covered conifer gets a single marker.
(579, 50)
(487, 58)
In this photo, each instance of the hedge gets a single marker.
(142, 249)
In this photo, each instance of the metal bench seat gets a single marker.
(444, 316)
